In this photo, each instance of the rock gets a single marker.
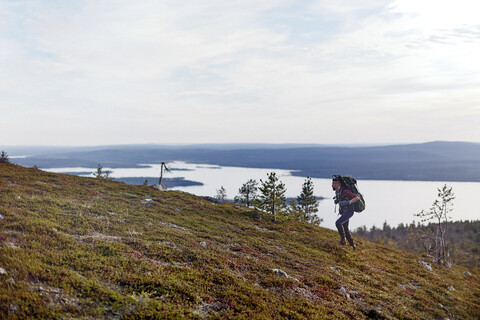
(1, 217)
(335, 269)
(202, 243)
(344, 292)
(147, 202)
(427, 265)
(467, 273)
(56, 291)
(451, 288)
(281, 273)
(159, 187)
(2, 271)
(409, 287)
(172, 225)
(97, 235)
(11, 245)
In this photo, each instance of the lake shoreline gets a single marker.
(391, 201)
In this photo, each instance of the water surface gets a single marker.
(392, 201)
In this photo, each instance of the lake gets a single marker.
(392, 201)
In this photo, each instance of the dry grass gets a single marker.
(84, 248)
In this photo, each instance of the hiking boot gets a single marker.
(350, 242)
(343, 242)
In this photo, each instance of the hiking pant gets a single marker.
(342, 225)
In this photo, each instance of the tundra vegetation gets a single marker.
(221, 194)
(436, 244)
(443, 241)
(86, 248)
(272, 199)
(101, 174)
(308, 203)
(247, 193)
(4, 157)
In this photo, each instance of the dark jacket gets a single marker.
(342, 195)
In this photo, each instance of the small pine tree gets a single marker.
(221, 194)
(294, 211)
(308, 202)
(100, 174)
(4, 157)
(272, 197)
(247, 193)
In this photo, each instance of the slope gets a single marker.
(87, 248)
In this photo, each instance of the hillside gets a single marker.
(87, 248)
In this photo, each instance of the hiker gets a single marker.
(345, 199)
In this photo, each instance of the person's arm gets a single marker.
(353, 196)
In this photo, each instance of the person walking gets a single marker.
(345, 199)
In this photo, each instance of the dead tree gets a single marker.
(436, 243)
(162, 167)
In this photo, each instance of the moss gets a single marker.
(85, 248)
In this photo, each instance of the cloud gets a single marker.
(216, 71)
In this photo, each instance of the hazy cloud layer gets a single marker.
(101, 72)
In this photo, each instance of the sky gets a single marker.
(99, 72)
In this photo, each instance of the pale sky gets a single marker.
(240, 71)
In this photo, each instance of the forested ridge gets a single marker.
(463, 239)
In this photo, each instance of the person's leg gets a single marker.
(340, 226)
(347, 234)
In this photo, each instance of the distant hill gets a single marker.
(85, 248)
(432, 161)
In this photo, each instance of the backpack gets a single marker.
(351, 184)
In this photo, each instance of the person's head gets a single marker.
(336, 184)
